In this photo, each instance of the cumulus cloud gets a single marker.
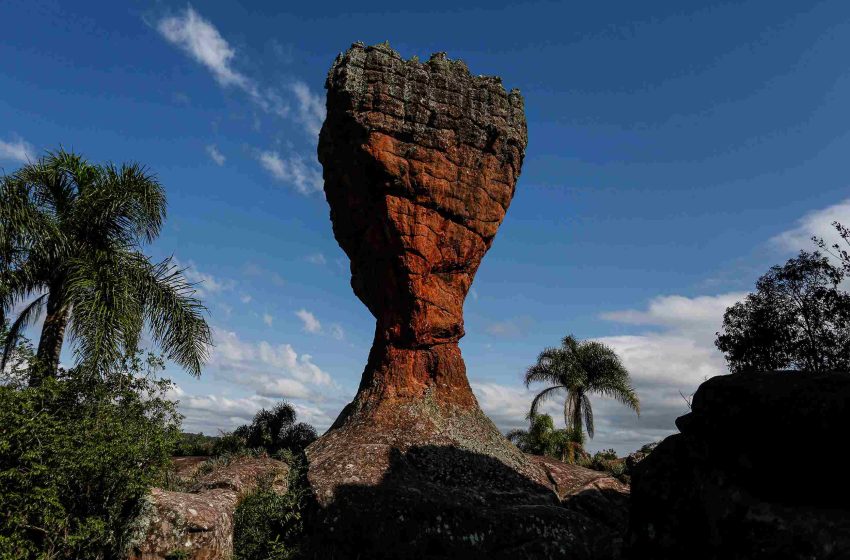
(272, 370)
(292, 170)
(215, 155)
(17, 150)
(668, 360)
(816, 223)
(311, 324)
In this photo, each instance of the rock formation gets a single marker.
(199, 524)
(420, 165)
(747, 476)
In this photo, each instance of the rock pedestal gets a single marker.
(420, 165)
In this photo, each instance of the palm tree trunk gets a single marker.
(52, 336)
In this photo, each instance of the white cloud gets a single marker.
(215, 155)
(270, 369)
(816, 223)
(317, 258)
(337, 332)
(699, 316)
(198, 38)
(311, 108)
(17, 149)
(268, 319)
(304, 177)
(509, 328)
(311, 324)
(205, 283)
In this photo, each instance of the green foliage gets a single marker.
(20, 356)
(274, 430)
(797, 318)
(190, 444)
(269, 525)
(542, 438)
(77, 455)
(71, 234)
(579, 369)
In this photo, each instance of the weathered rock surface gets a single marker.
(752, 474)
(445, 502)
(420, 165)
(200, 523)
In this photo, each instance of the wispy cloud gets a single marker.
(311, 324)
(215, 154)
(293, 170)
(317, 258)
(509, 328)
(205, 283)
(311, 108)
(337, 332)
(202, 41)
(268, 319)
(198, 38)
(16, 149)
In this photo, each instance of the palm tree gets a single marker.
(580, 369)
(542, 438)
(70, 238)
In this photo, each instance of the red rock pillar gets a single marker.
(420, 165)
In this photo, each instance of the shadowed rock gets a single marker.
(746, 477)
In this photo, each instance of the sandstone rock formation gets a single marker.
(420, 165)
(751, 475)
(199, 524)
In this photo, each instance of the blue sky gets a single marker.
(676, 151)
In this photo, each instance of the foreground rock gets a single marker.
(420, 165)
(751, 475)
(199, 524)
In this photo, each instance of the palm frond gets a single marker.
(26, 317)
(588, 415)
(173, 313)
(541, 398)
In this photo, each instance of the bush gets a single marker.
(273, 431)
(192, 445)
(77, 456)
(269, 525)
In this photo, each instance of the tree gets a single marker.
(276, 429)
(797, 318)
(580, 369)
(838, 250)
(71, 234)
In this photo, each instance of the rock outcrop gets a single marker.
(198, 525)
(752, 475)
(420, 165)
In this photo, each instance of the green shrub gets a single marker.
(269, 525)
(77, 455)
(191, 445)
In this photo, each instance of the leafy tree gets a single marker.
(71, 234)
(542, 438)
(797, 318)
(276, 429)
(580, 369)
(78, 454)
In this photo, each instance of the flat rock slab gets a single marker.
(200, 523)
